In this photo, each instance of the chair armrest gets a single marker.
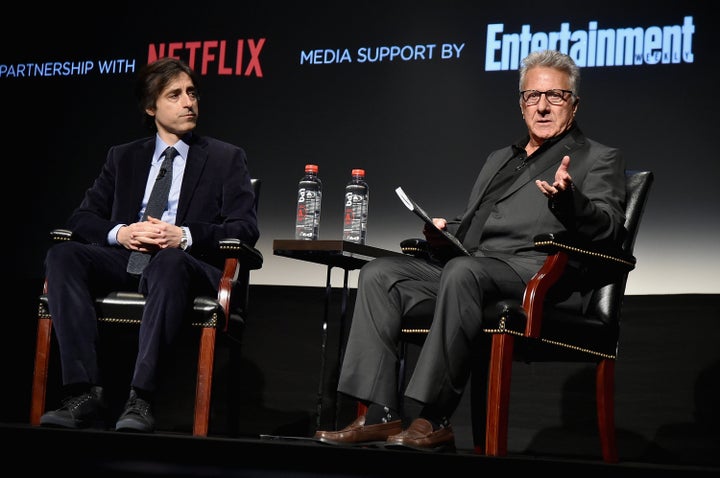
(250, 257)
(592, 253)
(571, 266)
(537, 289)
(59, 235)
(415, 247)
(237, 255)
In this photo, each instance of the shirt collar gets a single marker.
(182, 147)
(519, 146)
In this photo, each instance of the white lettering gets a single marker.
(593, 47)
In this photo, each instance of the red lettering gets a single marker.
(193, 47)
(173, 48)
(201, 54)
(154, 54)
(207, 56)
(222, 69)
(254, 63)
(239, 57)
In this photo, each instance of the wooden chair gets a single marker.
(225, 313)
(536, 330)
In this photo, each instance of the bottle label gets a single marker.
(307, 220)
(355, 214)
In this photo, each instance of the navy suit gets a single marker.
(216, 201)
(503, 263)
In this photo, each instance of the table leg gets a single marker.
(341, 340)
(323, 350)
(327, 396)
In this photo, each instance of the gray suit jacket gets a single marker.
(596, 212)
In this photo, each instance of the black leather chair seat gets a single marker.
(127, 307)
(565, 334)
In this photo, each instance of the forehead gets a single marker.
(181, 82)
(543, 77)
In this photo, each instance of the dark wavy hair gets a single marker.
(152, 80)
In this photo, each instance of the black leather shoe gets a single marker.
(421, 436)
(359, 434)
(80, 411)
(137, 416)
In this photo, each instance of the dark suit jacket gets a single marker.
(597, 210)
(216, 196)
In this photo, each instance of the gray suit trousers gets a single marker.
(390, 286)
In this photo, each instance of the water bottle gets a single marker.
(357, 196)
(309, 199)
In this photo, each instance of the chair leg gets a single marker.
(605, 398)
(203, 389)
(498, 399)
(479, 392)
(42, 358)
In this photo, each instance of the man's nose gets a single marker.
(188, 99)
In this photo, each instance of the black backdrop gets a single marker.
(425, 124)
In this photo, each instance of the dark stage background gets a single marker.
(425, 123)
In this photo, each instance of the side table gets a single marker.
(346, 256)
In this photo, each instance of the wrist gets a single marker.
(184, 239)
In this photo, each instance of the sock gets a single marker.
(380, 414)
(435, 416)
(144, 394)
(75, 389)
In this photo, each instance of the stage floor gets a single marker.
(110, 454)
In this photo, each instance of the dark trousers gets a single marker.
(76, 273)
(389, 287)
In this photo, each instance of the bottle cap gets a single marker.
(311, 168)
(358, 172)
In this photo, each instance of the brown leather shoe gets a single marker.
(420, 436)
(358, 434)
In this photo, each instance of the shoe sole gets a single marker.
(132, 426)
(350, 444)
(50, 422)
(436, 449)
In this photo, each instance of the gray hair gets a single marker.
(552, 59)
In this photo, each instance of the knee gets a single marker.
(63, 253)
(371, 270)
(379, 271)
(374, 270)
(459, 266)
(460, 270)
(166, 262)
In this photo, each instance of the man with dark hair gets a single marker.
(125, 245)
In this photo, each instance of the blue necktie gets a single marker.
(155, 207)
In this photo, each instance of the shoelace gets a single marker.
(138, 406)
(74, 402)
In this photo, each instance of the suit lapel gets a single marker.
(550, 159)
(197, 157)
(141, 160)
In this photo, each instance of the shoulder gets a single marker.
(211, 144)
(593, 147)
(597, 145)
(134, 145)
